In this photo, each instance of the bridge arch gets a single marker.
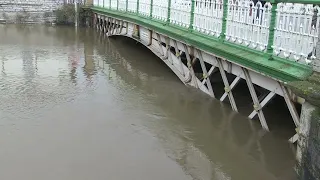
(182, 59)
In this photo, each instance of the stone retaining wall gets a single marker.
(28, 11)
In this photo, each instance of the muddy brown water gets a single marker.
(78, 106)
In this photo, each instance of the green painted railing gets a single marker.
(267, 28)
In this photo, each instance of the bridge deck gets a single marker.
(277, 68)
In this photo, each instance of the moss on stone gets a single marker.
(309, 89)
(315, 78)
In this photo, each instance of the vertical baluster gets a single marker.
(272, 27)
(309, 32)
(192, 15)
(137, 7)
(203, 10)
(259, 26)
(213, 25)
(224, 20)
(127, 2)
(151, 8)
(169, 11)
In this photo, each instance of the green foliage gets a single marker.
(65, 15)
(84, 15)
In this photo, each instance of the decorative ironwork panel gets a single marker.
(122, 5)
(132, 6)
(144, 7)
(296, 32)
(114, 4)
(95, 2)
(248, 23)
(106, 3)
(208, 16)
(101, 3)
(180, 12)
(160, 9)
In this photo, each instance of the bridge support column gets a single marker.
(226, 85)
(178, 54)
(189, 63)
(103, 29)
(109, 24)
(205, 73)
(257, 107)
(160, 46)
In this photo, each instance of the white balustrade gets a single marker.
(180, 12)
(106, 4)
(160, 9)
(144, 7)
(296, 32)
(95, 2)
(248, 23)
(208, 16)
(122, 5)
(114, 4)
(132, 6)
(100, 3)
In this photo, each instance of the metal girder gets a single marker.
(291, 107)
(117, 26)
(101, 24)
(294, 138)
(98, 23)
(265, 101)
(226, 85)
(114, 26)
(106, 25)
(256, 106)
(178, 54)
(293, 112)
(110, 27)
(160, 45)
(185, 48)
(168, 52)
(127, 27)
(121, 27)
(233, 84)
(205, 72)
(209, 73)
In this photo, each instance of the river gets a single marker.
(76, 105)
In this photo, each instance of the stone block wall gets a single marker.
(311, 159)
(28, 11)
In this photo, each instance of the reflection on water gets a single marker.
(76, 105)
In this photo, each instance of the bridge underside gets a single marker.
(195, 67)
